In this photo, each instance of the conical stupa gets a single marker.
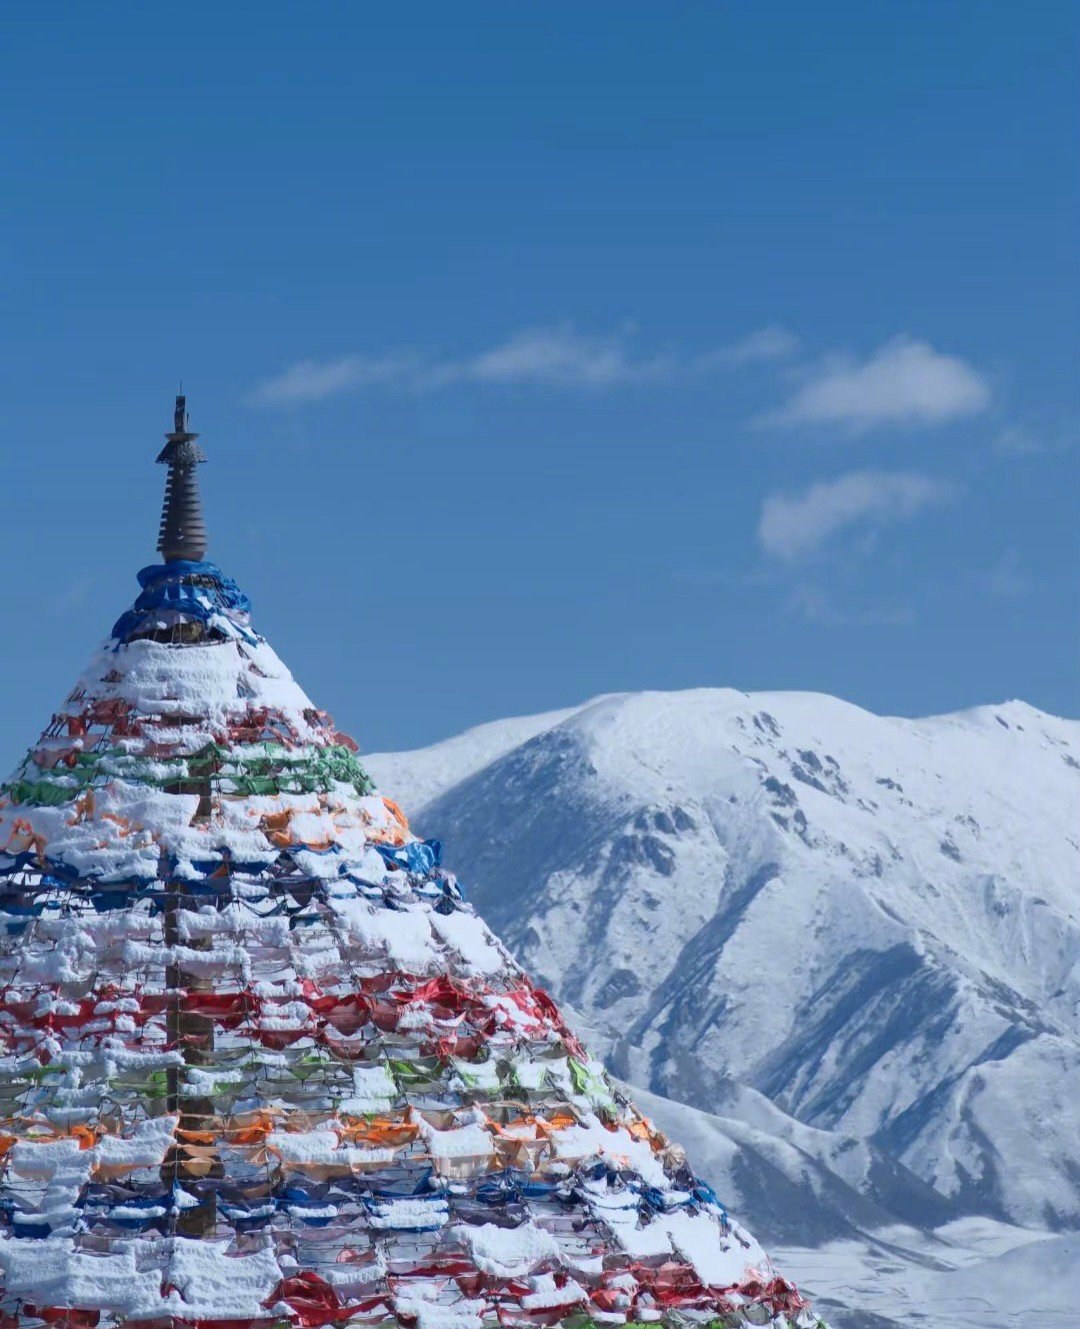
(262, 1064)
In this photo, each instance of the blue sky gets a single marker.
(543, 350)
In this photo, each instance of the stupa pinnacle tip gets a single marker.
(180, 432)
(182, 534)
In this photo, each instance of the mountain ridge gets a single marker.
(872, 922)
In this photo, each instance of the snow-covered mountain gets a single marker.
(843, 951)
(863, 1270)
(858, 936)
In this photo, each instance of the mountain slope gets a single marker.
(863, 1271)
(873, 922)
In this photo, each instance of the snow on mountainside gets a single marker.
(863, 1271)
(781, 904)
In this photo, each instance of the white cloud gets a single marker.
(558, 355)
(555, 355)
(904, 382)
(551, 356)
(315, 380)
(764, 345)
(793, 526)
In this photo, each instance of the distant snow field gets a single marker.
(840, 951)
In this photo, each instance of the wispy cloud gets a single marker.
(761, 347)
(1029, 439)
(559, 356)
(1008, 579)
(314, 380)
(904, 382)
(1018, 441)
(817, 606)
(795, 526)
(75, 593)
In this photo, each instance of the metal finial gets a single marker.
(183, 532)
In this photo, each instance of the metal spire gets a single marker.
(183, 531)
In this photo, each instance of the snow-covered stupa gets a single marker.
(262, 1065)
